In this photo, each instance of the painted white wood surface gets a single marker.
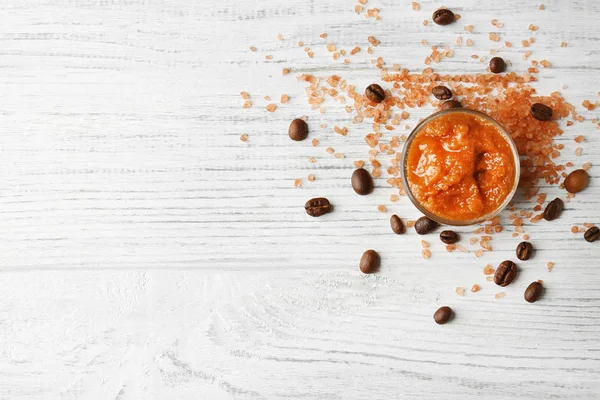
(147, 253)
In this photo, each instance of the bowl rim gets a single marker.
(438, 218)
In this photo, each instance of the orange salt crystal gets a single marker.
(550, 266)
(499, 295)
(469, 28)
(574, 229)
(415, 6)
(450, 247)
(498, 229)
(271, 107)
(545, 63)
(373, 41)
(247, 104)
(285, 71)
(426, 253)
(338, 155)
(284, 98)
(542, 7)
(358, 8)
(394, 198)
(244, 137)
(475, 288)
(563, 44)
(460, 291)
(579, 139)
(508, 44)
(525, 237)
(297, 182)
(381, 208)
(494, 37)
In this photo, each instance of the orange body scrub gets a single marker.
(460, 166)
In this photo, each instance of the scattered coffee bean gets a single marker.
(375, 93)
(533, 292)
(576, 181)
(397, 225)
(369, 262)
(449, 237)
(541, 112)
(592, 234)
(317, 206)
(425, 225)
(524, 251)
(298, 130)
(443, 16)
(553, 209)
(362, 183)
(497, 65)
(505, 273)
(442, 315)
(441, 92)
(448, 104)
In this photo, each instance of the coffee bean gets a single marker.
(298, 130)
(443, 16)
(524, 251)
(553, 209)
(397, 225)
(441, 92)
(576, 181)
(497, 65)
(592, 234)
(425, 225)
(505, 273)
(369, 262)
(317, 206)
(533, 292)
(375, 93)
(442, 315)
(448, 104)
(541, 112)
(362, 183)
(449, 237)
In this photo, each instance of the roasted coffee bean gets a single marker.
(576, 181)
(592, 234)
(448, 104)
(397, 225)
(524, 251)
(317, 206)
(442, 315)
(553, 209)
(533, 292)
(449, 237)
(443, 16)
(298, 130)
(362, 183)
(375, 93)
(505, 273)
(541, 112)
(425, 225)
(497, 65)
(369, 262)
(441, 92)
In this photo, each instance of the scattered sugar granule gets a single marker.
(285, 71)
(331, 47)
(315, 142)
(312, 160)
(415, 6)
(284, 98)
(297, 182)
(381, 208)
(533, 28)
(541, 7)
(426, 253)
(252, 48)
(563, 44)
(550, 266)
(460, 291)
(469, 42)
(578, 151)
(271, 107)
(488, 270)
(586, 166)
(373, 41)
(311, 177)
(499, 295)
(269, 57)
(338, 155)
(245, 95)
(279, 36)
(574, 229)
(323, 35)
(579, 139)
(475, 288)
(330, 150)
(244, 137)
(247, 104)
(469, 28)
(494, 37)
(359, 163)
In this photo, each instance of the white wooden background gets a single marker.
(147, 253)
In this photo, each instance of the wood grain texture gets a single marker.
(147, 253)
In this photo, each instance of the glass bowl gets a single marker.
(443, 220)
